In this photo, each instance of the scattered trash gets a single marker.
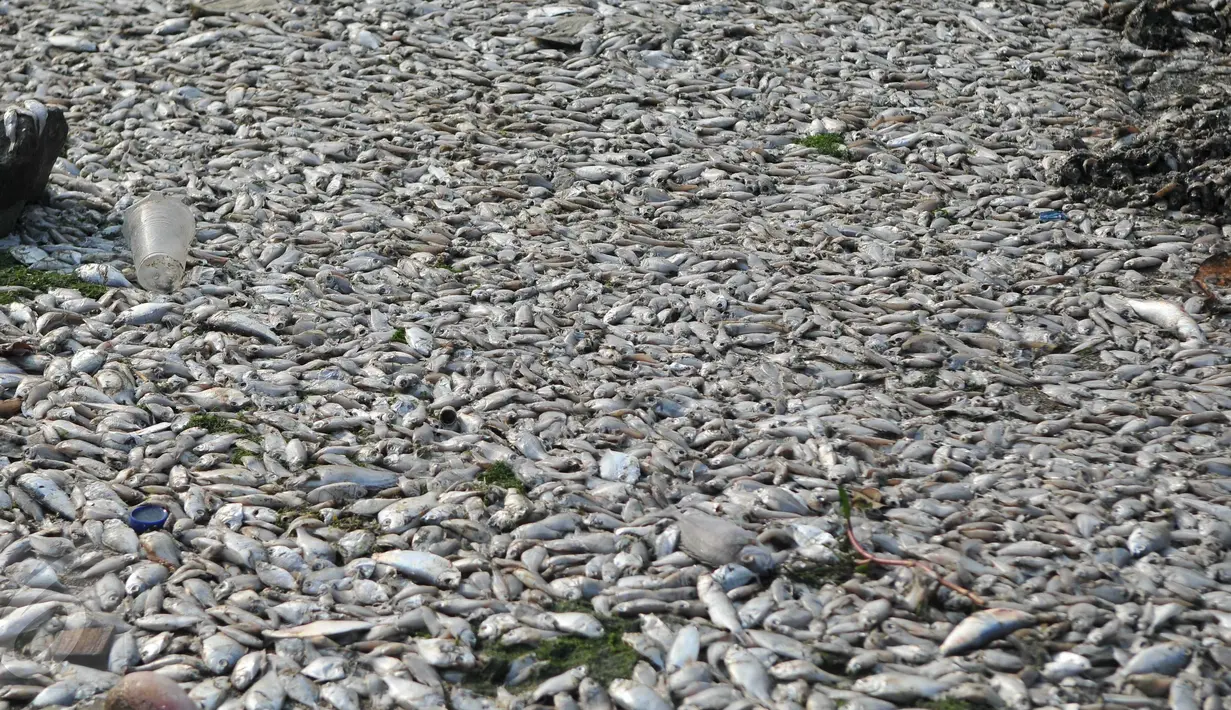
(1053, 216)
(83, 647)
(1214, 276)
(147, 517)
(159, 229)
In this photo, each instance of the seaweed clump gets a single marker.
(502, 475)
(817, 575)
(825, 143)
(606, 658)
(15, 274)
(215, 424)
(948, 704)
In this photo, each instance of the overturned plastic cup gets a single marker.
(146, 517)
(159, 229)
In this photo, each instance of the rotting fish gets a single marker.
(900, 687)
(423, 567)
(716, 541)
(22, 619)
(1164, 659)
(1165, 314)
(982, 628)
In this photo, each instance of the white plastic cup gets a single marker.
(159, 229)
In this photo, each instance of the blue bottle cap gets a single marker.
(147, 516)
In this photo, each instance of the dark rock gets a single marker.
(1182, 161)
(147, 691)
(1152, 25)
(26, 157)
(1167, 24)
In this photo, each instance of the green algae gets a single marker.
(825, 143)
(14, 273)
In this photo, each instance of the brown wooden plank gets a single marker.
(82, 645)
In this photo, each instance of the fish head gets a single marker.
(449, 579)
(758, 559)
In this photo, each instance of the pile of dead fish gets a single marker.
(524, 349)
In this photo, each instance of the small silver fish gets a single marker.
(44, 490)
(983, 627)
(1165, 314)
(633, 695)
(422, 567)
(1163, 659)
(242, 324)
(102, 274)
(899, 687)
(23, 619)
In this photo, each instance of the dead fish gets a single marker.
(423, 567)
(319, 628)
(1165, 314)
(48, 494)
(102, 274)
(684, 649)
(242, 324)
(23, 619)
(899, 687)
(983, 627)
(1147, 538)
(632, 695)
(721, 610)
(1065, 665)
(747, 673)
(1163, 659)
(718, 542)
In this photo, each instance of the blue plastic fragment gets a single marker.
(147, 517)
(1052, 216)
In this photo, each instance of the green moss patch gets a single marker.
(443, 263)
(286, 516)
(818, 575)
(827, 143)
(14, 273)
(953, 704)
(399, 336)
(501, 474)
(576, 605)
(346, 522)
(606, 658)
(215, 424)
(351, 522)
